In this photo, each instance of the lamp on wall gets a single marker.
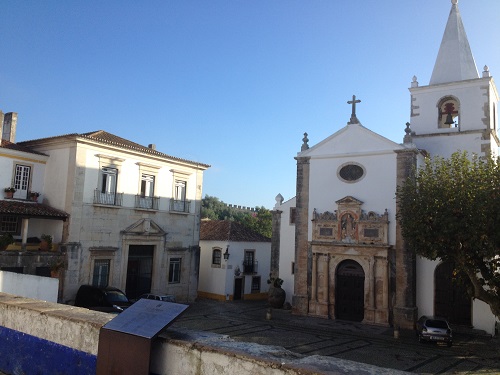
(226, 254)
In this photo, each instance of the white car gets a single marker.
(431, 328)
(159, 297)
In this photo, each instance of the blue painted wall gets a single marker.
(22, 354)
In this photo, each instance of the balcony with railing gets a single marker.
(148, 203)
(108, 199)
(179, 206)
(250, 267)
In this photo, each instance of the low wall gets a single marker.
(31, 286)
(39, 337)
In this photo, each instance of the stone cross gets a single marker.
(354, 119)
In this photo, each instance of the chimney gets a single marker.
(152, 146)
(9, 126)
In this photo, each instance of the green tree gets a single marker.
(259, 220)
(450, 210)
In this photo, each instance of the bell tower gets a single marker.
(458, 109)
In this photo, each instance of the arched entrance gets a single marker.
(451, 300)
(349, 291)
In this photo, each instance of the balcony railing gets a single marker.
(250, 267)
(150, 203)
(110, 199)
(179, 206)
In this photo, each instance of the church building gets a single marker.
(337, 244)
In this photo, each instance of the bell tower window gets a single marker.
(449, 113)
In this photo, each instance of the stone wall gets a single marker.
(39, 337)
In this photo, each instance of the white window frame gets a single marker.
(109, 180)
(147, 185)
(174, 275)
(148, 171)
(22, 181)
(180, 190)
(109, 162)
(101, 260)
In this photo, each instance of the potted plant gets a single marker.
(9, 192)
(46, 242)
(276, 295)
(5, 240)
(56, 267)
(34, 196)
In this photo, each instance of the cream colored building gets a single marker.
(134, 213)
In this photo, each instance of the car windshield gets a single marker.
(437, 324)
(116, 297)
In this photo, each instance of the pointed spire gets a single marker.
(455, 61)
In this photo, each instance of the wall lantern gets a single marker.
(226, 254)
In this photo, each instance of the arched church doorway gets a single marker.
(451, 300)
(349, 291)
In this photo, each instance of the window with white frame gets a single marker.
(147, 185)
(174, 271)
(148, 174)
(179, 202)
(22, 181)
(180, 190)
(107, 186)
(109, 177)
(100, 277)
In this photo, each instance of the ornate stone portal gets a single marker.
(350, 246)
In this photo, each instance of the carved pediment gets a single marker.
(145, 227)
(349, 200)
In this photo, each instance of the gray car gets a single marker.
(430, 328)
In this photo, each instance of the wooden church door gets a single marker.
(349, 291)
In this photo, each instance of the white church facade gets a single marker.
(338, 243)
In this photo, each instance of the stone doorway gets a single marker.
(139, 270)
(349, 291)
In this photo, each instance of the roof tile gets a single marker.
(30, 209)
(226, 230)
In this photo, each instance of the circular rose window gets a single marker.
(351, 172)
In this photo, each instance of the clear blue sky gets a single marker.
(232, 83)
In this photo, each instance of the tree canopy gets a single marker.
(259, 220)
(450, 210)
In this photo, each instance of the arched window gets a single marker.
(216, 256)
(449, 113)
